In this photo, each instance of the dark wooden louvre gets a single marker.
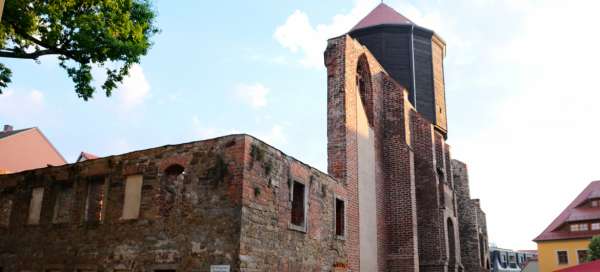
(298, 204)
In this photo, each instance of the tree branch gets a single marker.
(20, 55)
(53, 48)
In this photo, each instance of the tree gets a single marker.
(111, 34)
(594, 249)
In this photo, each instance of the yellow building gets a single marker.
(565, 241)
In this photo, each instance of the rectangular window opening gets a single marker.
(595, 226)
(582, 256)
(298, 204)
(63, 203)
(340, 217)
(94, 205)
(35, 206)
(563, 257)
(133, 197)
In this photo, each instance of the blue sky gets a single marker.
(520, 78)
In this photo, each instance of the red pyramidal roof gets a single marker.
(382, 15)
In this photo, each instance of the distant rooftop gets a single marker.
(383, 15)
(575, 212)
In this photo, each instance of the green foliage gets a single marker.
(112, 34)
(594, 250)
(257, 153)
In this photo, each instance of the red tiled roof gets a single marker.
(382, 15)
(27, 149)
(587, 267)
(574, 213)
(4, 134)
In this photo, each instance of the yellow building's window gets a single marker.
(582, 256)
(563, 257)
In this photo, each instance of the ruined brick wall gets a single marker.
(417, 224)
(268, 240)
(202, 229)
(225, 201)
(384, 105)
(473, 229)
(342, 59)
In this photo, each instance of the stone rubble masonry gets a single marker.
(232, 207)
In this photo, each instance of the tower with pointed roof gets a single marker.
(387, 134)
(413, 55)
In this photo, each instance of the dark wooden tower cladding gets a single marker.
(413, 56)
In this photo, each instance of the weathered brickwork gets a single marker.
(394, 199)
(418, 222)
(268, 240)
(473, 228)
(227, 205)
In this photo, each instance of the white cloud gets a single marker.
(254, 95)
(22, 106)
(134, 89)
(540, 148)
(299, 36)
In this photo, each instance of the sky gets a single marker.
(521, 90)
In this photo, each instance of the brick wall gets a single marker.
(473, 229)
(230, 206)
(268, 241)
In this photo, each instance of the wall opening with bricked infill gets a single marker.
(63, 203)
(367, 198)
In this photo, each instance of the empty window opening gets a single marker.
(582, 256)
(165, 270)
(363, 83)
(340, 217)
(63, 203)
(133, 197)
(298, 204)
(563, 257)
(173, 170)
(451, 242)
(94, 203)
(173, 177)
(481, 250)
(35, 206)
(6, 204)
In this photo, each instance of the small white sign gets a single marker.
(220, 268)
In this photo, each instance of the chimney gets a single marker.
(8, 128)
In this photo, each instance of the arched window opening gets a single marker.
(364, 86)
(451, 243)
(174, 170)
